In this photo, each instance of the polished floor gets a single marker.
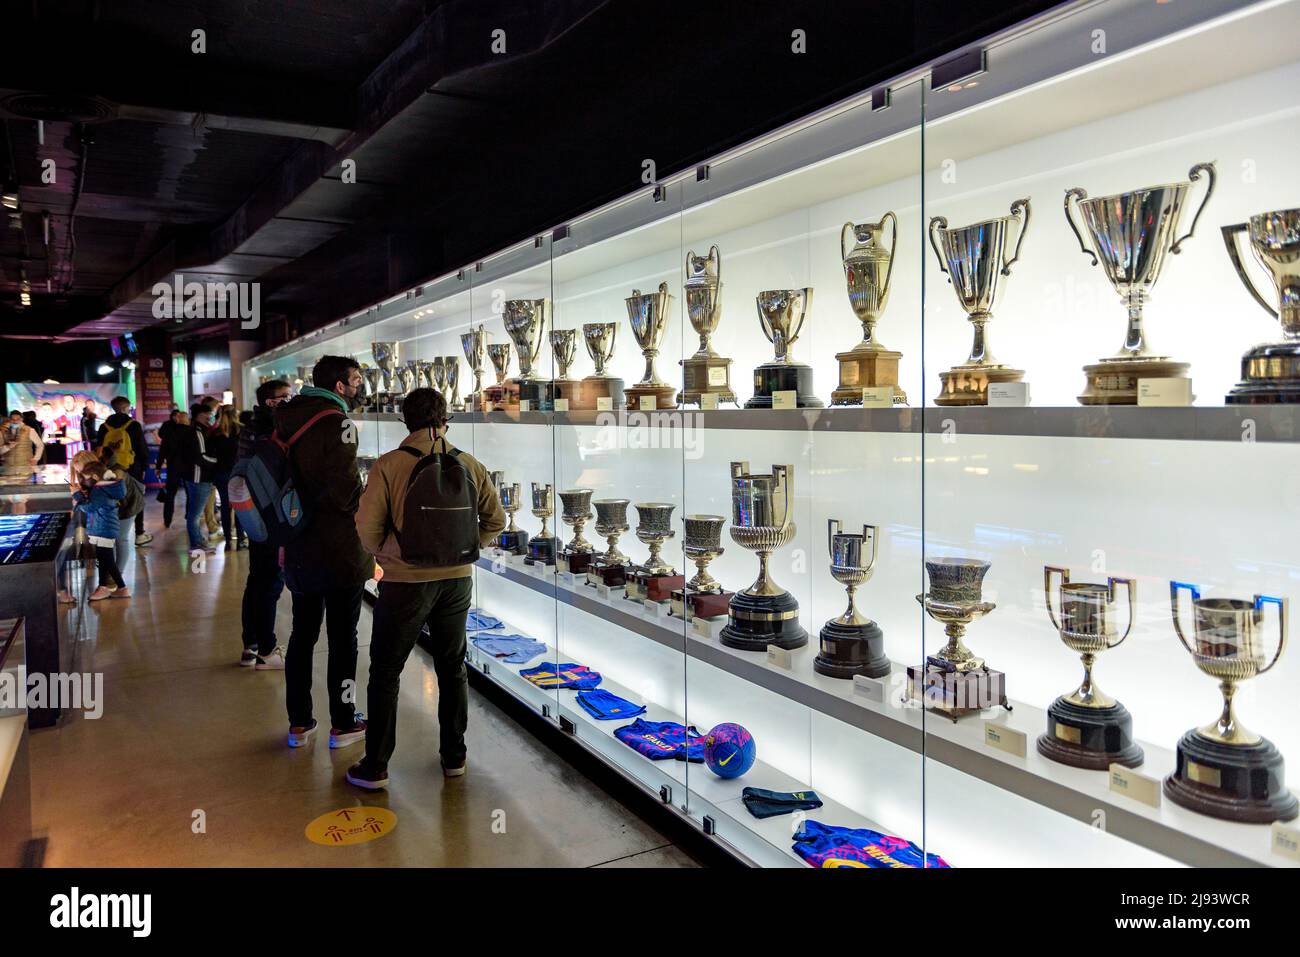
(188, 764)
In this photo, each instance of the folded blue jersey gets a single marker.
(825, 845)
(549, 674)
(479, 620)
(604, 706)
(513, 649)
(658, 740)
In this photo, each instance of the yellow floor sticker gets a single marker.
(351, 825)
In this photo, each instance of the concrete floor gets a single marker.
(184, 729)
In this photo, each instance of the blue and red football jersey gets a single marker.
(825, 845)
(658, 740)
(566, 675)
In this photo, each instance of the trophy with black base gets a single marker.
(702, 596)
(764, 613)
(1089, 729)
(851, 644)
(1223, 769)
(1270, 372)
(706, 372)
(514, 539)
(954, 682)
(576, 556)
(781, 313)
(655, 579)
(600, 390)
(542, 548)
(526, 321)
(609, 568)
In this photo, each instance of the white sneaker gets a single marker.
(248, 659)
(144, 539)
(272, 662)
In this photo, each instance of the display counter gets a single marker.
(15, 772)
(44, 490)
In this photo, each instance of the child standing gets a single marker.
(98, 497)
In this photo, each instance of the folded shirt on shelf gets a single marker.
(604, 706)
(479, 620)
(658, 740)
(549, 674)
(764, 803)
(512, 649)
(825, 845)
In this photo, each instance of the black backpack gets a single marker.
(440, 517)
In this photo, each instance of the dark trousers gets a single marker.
(262, 591)
(400, 612)
(339, 609)
(169, 494)
(137, 471)
(222, 483)
(108, 570)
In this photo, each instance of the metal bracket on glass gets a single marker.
(666, 794)
(546, 711)
(539, 242)
(567, 726)
(559, 232)
(478, 267)
(660, 194)
(701, 173)
(880, 99)
(487, 668)
(710, 825)
(460, 275)
(958, 69)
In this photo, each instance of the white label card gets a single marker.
(718, 375)
(779, 657)
(561, 405)
(785, 399)
(525, 405)
(709, 400)
(1286, 841)
(878, 397)
(605, 403)
(1009, 394)
(1165, 392)
(873, 689)
(568, 579)
(1140, 787)
(656, 609)
(649, 403)
(1006, 739)
(610, 593)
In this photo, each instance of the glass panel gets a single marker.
(1123, 498)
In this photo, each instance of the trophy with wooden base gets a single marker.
(1089, 729)
(1132, 234)
(542, 548)
(451, 376)
(648, 316)
(852, 644)
(474, 345)
(609, 568)
(868, 268)
(564, 346)
(504, 394)
(601, 390)
(703, 596)
(655, 579)
(1270, 372)
(1223, 769)
(953, 681)
(973, 257)
(576, 556)
(706, 372)
(513, 539)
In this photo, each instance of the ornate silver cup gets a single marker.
(474, 345)
(702, 542)
(852, 644)
(526, 321)
(438, 375)
(416, 368)
(868, 269)
(848, 566)
(543, 506)
(955, 599)
(499, 353)
(374, 378)
(648, 315)
(611, 521)
(706, 372)
(974, 257)
(575, 511)
(451, 373)
(653, 529)
(781, 313)
(1271, 372)
(564, 346)
(599, 337)
(386, 357)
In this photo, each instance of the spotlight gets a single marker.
(9, 195)
(104, 369)
(128, 364)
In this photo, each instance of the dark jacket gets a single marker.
(88, 427)
(169, 434)
(195, 460)
(225, 449)
(135, 432)
(328, 552)
(259, 429)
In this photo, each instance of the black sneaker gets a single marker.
(361, 776)
(249, 658)
(342, 737)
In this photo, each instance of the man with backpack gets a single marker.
(427, 510)
(325, 566)
(265, 581)
(125, 437)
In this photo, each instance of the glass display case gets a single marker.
(825, 452)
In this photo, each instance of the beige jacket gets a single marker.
(23, 449)
(384, 500)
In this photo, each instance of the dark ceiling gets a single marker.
(226, 164)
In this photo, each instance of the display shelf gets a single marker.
(1169, 830)
(766, 841)
(1258, 423)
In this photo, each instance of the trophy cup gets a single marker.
(405, 385)
(609, 567)
(373, 377)
(416, 368)
(542, 548)
(868, 268)
(474, 345)
(648, 316)
(1223, 769)
(851, 644)
(953, 681)
(564, 347)
(385, 356)
(513, 539)
(703, 595)
(575, 510)
(451, 372)
(438, 376)
(1088, 729)
(526, 321)
(706, 372)
(599, 338)
(764, 613)
(505, 392)
(973, 258)
(655, 579)
(1131, 235)
(1271, 372)
(781, 313)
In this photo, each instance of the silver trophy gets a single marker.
(512, 539)
(438, 375)
(1271, 372)
(974, 258)
(575, 511)
(648, 316)
(451, 373)
(374, 378)
(611, 521)
(386, 357)
(542, 548)
(526, 321)
(706, 372)
(474, 345)
(599, 338)
(852, 644)
(418, 380)
(1132, 233)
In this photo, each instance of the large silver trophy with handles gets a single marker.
(1270, 373)
(852, 644)
(1132, 234)
(648, 315)
(474, 344)
(526, 321)
(781, 315)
